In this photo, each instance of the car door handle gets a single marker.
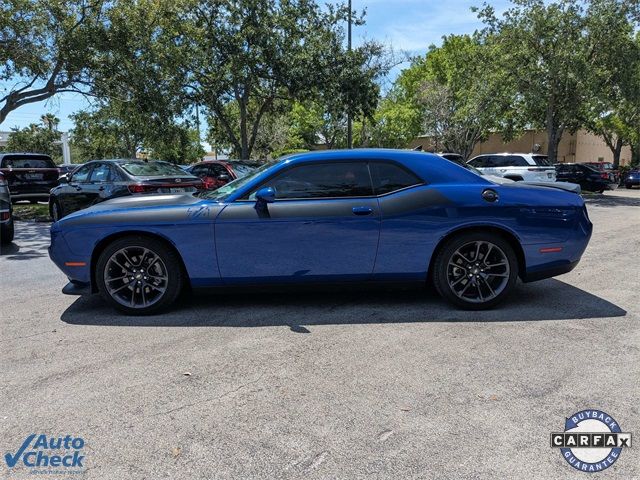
(101, 189)
(362, 210)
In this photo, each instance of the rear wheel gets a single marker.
(139, 275)
(7, 232)
(475, 271)
(628, 185)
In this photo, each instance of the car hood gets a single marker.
(145, 210)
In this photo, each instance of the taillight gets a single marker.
(3, 181)
(604, 175)
(4, 216)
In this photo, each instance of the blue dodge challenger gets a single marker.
(326, 217)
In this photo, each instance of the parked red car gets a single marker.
(30, 175)
(216, 173)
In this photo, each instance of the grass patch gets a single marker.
(27, 212)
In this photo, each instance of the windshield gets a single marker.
(541, 160)
(152, 169)
(227, 190)
(27, 162)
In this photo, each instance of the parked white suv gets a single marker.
(530, 167)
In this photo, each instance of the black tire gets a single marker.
(628, 186)
(55, 210)
(7, 231)
(169, 266)
(33, 201)
(445, 268)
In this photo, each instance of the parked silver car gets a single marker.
(530, 167)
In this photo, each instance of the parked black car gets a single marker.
(584, 175)
(101, 180)
(632, 178)
(6, 212)
(30, 175)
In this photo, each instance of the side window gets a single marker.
(116, 174)
(100, 173)
(500, 161)
(516, 161)
(388, 177)
(325, 180)
(199, 170)
(216, 170)
(482, 162)
(81, 175)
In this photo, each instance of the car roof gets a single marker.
(23, 154)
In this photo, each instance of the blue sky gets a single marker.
(407, 25)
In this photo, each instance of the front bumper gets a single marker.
(76, 288)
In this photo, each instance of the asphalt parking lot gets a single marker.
(376, 384)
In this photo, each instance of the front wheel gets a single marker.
(475, 271)
(139, 275)
(56, 211)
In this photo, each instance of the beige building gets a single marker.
(582, 146)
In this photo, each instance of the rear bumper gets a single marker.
(549, 271)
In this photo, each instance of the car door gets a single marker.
(324, 224)
(563, 173)
(73, 195)
(99, 184)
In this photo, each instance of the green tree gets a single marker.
(37, 138)
(548, 56)
(613, 110)
(450, 94)
(256, 53)
(46, 47)
(116, 130)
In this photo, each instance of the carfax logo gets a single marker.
(64, 454)
(592, 440)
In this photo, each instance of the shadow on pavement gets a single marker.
(545, 300)
(31, 241)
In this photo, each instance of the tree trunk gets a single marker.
(617, 150)
(554, 135)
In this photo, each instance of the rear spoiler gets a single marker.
(566, 186)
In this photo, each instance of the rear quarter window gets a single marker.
(388, 177)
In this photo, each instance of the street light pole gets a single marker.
(349, 126)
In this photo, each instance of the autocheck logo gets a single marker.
(592, 440)
(45, 454)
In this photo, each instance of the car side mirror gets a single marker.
(266, 195)
(66, 178)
